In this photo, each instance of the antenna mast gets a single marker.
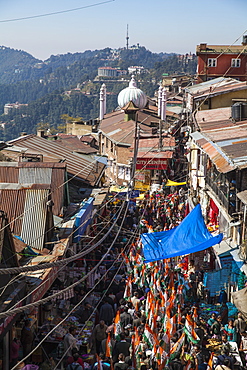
(127, 38)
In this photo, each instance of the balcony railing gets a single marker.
(221, 194)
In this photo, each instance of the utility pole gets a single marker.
(160, 135)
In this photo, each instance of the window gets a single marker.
(212, 62)
(236, 63)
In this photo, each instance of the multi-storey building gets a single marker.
(222, 60)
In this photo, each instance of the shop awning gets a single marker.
(190, 236)
(174, 183)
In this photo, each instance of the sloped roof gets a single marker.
(153, 143)
(215, 82)
(219, 90)
(227, 155)
(78, 165)
(73, 143)
(209, 116)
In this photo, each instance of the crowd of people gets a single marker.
(150, 315)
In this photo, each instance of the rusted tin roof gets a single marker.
(211, 116)
(221, 90)
(221, 160)
(35, 175)
(78, 165)
(156, 155)
(75, 144)
(26, 210)
(153, 144)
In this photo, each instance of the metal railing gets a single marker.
(221, 194)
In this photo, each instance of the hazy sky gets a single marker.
(159, 25)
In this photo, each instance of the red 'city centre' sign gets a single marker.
(151, 163)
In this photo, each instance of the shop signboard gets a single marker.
(151, 163)
(140, 176)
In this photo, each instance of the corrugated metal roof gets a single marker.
(36, 175)
(78, 165)
(153, 143)
(203, 86)
(73, 143)
(34, 218)
(26, 211)
(222, 162)
(9, 174)
(12, 203)
(221, 90)
(213, 115)
(158, 155)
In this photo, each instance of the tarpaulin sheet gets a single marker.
(190, 236)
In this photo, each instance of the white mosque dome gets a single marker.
(132, 93)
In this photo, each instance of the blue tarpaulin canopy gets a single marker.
(190, 236)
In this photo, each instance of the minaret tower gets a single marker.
(127, 38)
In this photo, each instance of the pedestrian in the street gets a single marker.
(121, 347)
(99, 333)
(106, 313)
(121, 364)
(70, 342)
(27, 338)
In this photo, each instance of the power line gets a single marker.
(55, 13)
(74, 258)
(13, 270)
(66, 317)
(102, 277)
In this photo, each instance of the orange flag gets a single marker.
(210, 361)
(108, 350)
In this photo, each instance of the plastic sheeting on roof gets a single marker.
(190, 236)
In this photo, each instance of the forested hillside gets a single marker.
(43, 85)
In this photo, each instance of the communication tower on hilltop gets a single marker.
(127, 38)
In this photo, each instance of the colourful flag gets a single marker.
(189, 330)
(161, 357)
(117, 326)
(150, 337)
(108, 351)
(176, 347)
(99, 363)
(128, 288)
(210, 361)
(188, 365)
